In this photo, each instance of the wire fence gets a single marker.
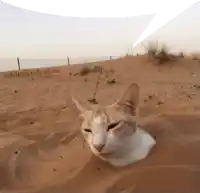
(10, 64)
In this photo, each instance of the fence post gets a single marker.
(68, 61)
(110, 57)
(18, 63)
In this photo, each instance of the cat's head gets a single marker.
(107, 128)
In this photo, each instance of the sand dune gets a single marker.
(42, 150)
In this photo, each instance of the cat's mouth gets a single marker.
(105, 153)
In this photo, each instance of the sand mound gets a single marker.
(42, 150)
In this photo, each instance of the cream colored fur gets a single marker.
(111, 131)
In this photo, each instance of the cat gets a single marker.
(112, 133)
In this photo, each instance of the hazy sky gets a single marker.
(29, 34)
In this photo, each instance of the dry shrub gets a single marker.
(162, 55)
(195, 58)
(89, 69)
(152, 49)
(158, 53)
(84, 71)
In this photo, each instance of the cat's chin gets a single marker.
(102, 153)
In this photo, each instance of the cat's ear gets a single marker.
(79, 106)
(129, 101)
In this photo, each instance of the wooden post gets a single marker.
(18, 63)
(68, 61)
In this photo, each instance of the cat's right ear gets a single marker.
(79, 106)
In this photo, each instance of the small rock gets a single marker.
(160, 103)
(93, 101)
(150, 97)
(193, 74)
(54, 169)
(196, 86)
(64, 107)
(113, 81)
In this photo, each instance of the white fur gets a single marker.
(121, 151)
(139, 146)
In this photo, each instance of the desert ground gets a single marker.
(43, 151)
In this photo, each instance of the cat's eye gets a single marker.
(87, 130)
(112, 125)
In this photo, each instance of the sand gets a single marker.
(42, 150)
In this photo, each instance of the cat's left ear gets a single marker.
(129, 101)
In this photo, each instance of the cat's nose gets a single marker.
(98, 147)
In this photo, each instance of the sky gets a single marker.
(104, 7)
(29, 34)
